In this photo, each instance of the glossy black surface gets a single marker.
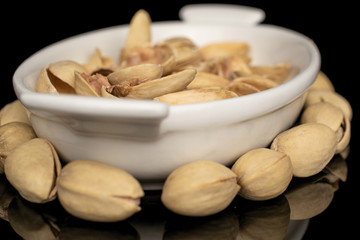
(331, 26)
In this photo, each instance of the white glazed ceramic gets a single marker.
(150, 139)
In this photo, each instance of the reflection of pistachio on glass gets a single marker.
(7, 194)
(263, 173)
(338, 167)
(263, 219)
(32, 169)
(199, 188)
(97, 191)
(11, 136)
(14, 112)
(310, 147)
(29, 223)
(309, 199)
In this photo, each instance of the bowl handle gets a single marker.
(99, 116)
(229, 14)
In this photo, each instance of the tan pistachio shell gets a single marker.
(97, 191)
(199, 188)
(98, 61)
(139, 31)
(171, 83)
(263, 173)
(12, 135)
(310, 147)
(323, 95)
(196, 96)
(44, 84)
(251, 84)
(322, 81)
(141, 72)
(32, 169)
(225, 49)
(208, 80)
(64, 71)
(14, 112)
(278, 72)
(82, 87)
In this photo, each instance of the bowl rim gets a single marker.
(157, 111)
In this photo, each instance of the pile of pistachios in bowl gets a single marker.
(95, 191)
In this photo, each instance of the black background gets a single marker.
(28, 27)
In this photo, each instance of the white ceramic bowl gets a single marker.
(150, 139)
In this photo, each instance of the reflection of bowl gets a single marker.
(149, 139)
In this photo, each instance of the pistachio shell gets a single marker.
(32, 169)
(44, 84)
(14, 112)
(141, 72)
(64, 71)
(310, 147)
(97, 191)
(106, 93)
(323, 95)
(206, 80)
(171, 83)
(82, 87)
(278, 73)
(97, 61)
(263, 173)
(196, 96)
(12, 135)
(322, 82)
(225, 49)
(251, 84)
(139, 31)
(199, 188)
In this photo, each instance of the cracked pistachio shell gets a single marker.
(310, 147)
(14, 112)
(199, 188)
(97, 191)
(208, 80)
(251, 84)
(141, 72)
(32, 169)
(139, 31)
(323, 95)
(263, 173)
(12, 135)
(196, 96)
(279, 73)
(225, 49)
(332, 116)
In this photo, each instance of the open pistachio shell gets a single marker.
(44, 84)
(106, 93)
(97, 61)
(32, 169)
(141, 72)
(14, 112)
(64, 71)
(171, 83)
(82, 87)
(206, 80)
(139, 32)
(251, 84)
(196, 96)
(278, 73)
(225, 49)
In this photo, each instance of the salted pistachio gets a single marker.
(310, 147)
(251, 84)
(196, 96)
(12, 135)
(59, 77)
(278, 72)
(32, 169)
(263, 173)
(97, 191)
(332, 116)
(225, 49)
(262, 219)
(14, 112)
(309, 199)
(208, 80)
(98, 62)
(157, 87)
(30, 223)
(185, 51)
(322, 81)
(199, 188)
(140, 73)
(89, 85)
(323, 95)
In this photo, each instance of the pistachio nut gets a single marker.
(98, 62)
(199, 188)
(196, 96)
(332, 116)
(263, 173)
(322, 82)
(32, 169)
(89, 85)
(97, 191)
(309, 199)
(323, 95)
(12, 135)
(310, 147)
(14, 112)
